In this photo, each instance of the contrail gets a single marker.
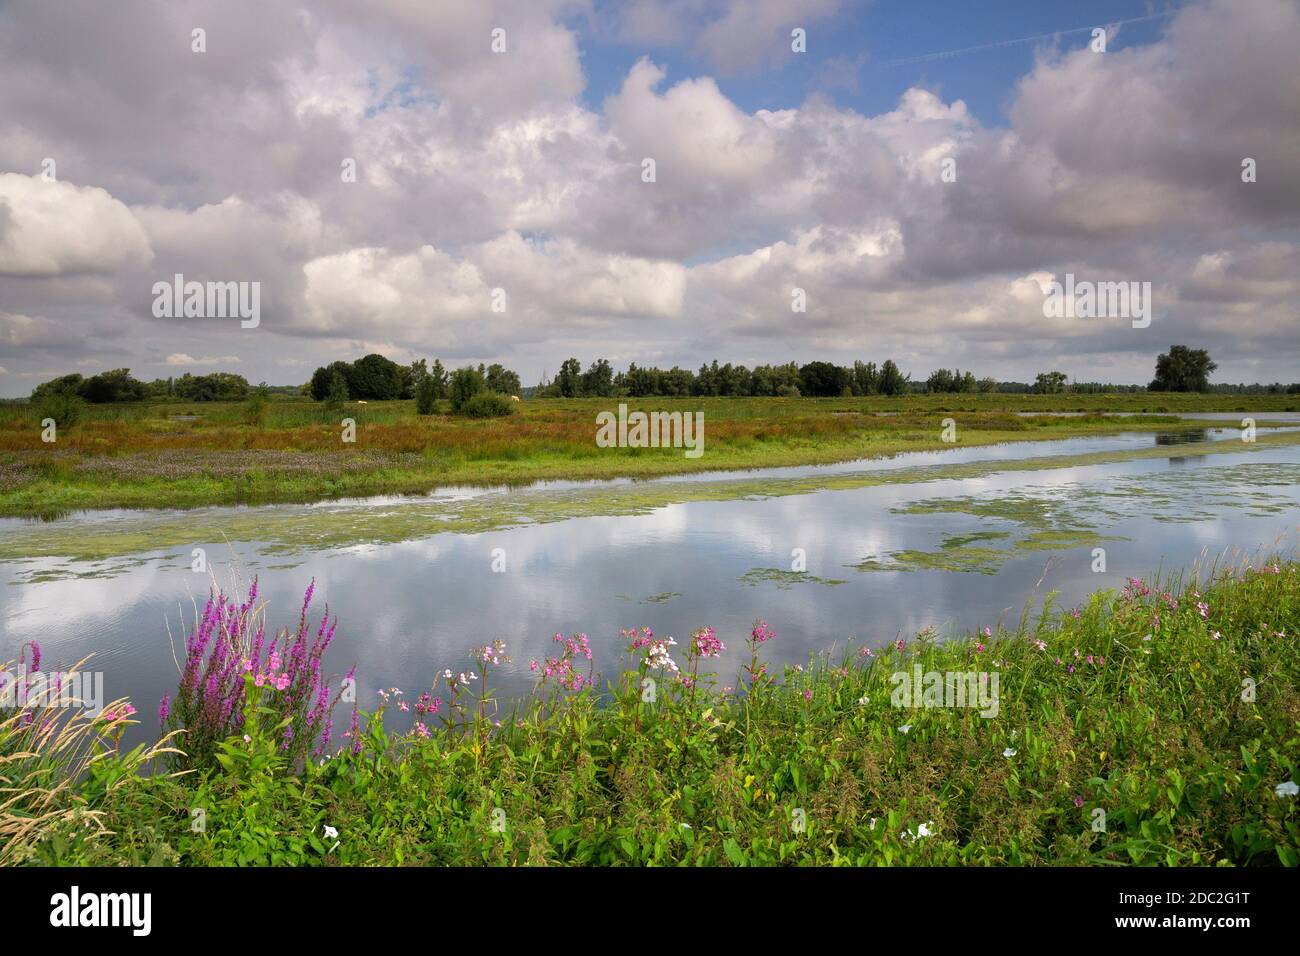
(927, 57)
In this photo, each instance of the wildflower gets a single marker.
(1008, 753)
(1203, 609)
(1288, 789)
(807, 695)
(164, 709)
(532, 666)
(706, 643)
(863, 701)
(422, 730)
(987, 632)
(1078, 801)
(1041, 645)
(905, 728)
(761, 632)
(331, 833)
(1215, 635)
(924, 830)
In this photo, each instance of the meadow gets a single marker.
(1158, 724)
(183, 454)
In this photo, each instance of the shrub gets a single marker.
(787, 391)
(64, 408)
(488, 405)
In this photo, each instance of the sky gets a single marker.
(919, 173)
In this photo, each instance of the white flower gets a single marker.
(924, 830)
(905, 728)
(1288, 789)
(686, 826)
(863, 701)
(1008, 753)
(331, 833)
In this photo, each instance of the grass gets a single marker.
(154, 455)
(1157, 726)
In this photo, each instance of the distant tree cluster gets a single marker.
(959, 382)
(118, 385)
(376, 378)
(713, 379)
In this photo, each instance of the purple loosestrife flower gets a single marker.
(164, 708)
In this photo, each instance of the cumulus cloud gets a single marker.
(478, 171)
(57, 228)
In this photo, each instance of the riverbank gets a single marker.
(181, 455)
(1152, 726)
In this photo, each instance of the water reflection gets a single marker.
(409, 609)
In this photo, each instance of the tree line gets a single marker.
(118, 385)
(376, 378)
(791, 380)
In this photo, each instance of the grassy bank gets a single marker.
(191, 455)
(1151, 726)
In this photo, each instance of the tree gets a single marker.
(63, 385)
(1050, 383)
(866, 380)
(598, 380)
(501, 379)
(465, 384)
(569, 381)
(323, 378)
(1183, 369)
(439, 376)
(426, 396)
(822, 379)
(892, 381)
(338, 391)
(375, 377)
(413, 376)
(113, 386)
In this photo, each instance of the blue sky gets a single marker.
(866, 38)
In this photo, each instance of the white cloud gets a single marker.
(57, 228)
(180, 358)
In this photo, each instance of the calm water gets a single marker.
(409, 609)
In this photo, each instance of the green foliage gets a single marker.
(501, 379)
(892, 381)
(426, 396)
(65, 408)
(1050, 383)
(1183, 369)
(375, 378)
(487, 405)
(465, 384)
(338, 391)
